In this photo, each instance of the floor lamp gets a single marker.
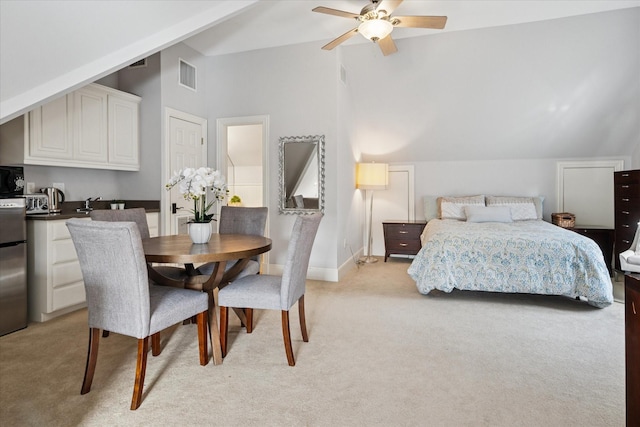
(370, 177)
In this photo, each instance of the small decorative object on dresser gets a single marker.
(632, 347)
(626, 195)
(402, 237)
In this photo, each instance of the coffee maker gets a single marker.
(55, 198)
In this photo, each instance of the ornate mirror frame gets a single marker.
(300, 158)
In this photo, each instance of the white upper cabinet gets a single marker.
(93, 127)
(89, 118)
(48, 129)
(123, 130)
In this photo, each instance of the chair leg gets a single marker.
(201, 319)
(141, 368)
(155, 344)
(92, 358)
(286, 335)
(303, 322)
(249, 314)
(224, 328)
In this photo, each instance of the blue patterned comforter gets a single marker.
(520, 257)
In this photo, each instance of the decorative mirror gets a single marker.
(301, 174)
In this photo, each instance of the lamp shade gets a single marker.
(372, 176)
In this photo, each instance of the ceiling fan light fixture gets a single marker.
(375, 29)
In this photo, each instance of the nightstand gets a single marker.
(402, 237)
(603, 237)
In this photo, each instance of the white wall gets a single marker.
(491, 111)
(296, 87)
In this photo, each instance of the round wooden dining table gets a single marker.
(221, 248)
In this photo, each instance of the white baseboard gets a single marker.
(317, 273)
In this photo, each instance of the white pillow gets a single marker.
(430, 207)
(488, 213)
(522, 208)
(453, 207)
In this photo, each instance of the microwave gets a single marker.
(11, 181)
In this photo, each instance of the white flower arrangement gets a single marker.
(193, 185)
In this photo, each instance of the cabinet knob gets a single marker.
(625, 186)
(625, 212)
(403, 244)
(403, 232)
(626, 241)
(625, 200)
(625, 225)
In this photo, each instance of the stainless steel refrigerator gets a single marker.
(13, 265)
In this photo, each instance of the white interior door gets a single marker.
(187, 148)
(395, 203)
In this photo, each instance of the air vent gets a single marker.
(139, 64)
(187, 75)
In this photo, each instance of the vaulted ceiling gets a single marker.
(48, 48)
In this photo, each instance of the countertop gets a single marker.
(69, 209)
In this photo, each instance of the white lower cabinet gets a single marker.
(54, 277)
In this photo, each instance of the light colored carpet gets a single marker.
(379, 353)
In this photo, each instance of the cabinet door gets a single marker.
(90, 125)
(123, 132)
(49, 133)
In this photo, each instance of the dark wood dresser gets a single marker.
(632, 346)
(402, 237)
(626, 195)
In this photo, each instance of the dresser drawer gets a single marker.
(627, 190)
(626, 177)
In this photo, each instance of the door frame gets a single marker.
(165, 209)
(222, 124)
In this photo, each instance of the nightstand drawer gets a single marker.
(402, 245)
(401, 231)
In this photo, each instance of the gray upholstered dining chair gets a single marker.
(275, 292)
(161, 274)
(241, 220)
(121, 299)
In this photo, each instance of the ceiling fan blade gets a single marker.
(387, 45)
(335, 42)
(436, 22)
(335, 12)
(388, 5)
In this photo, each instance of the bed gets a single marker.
(493, 252)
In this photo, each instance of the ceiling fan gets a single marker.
(376, 23)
